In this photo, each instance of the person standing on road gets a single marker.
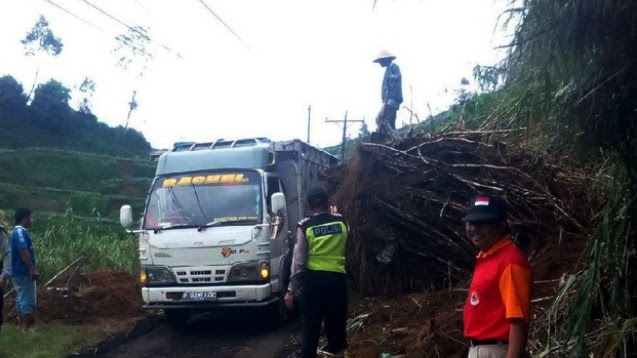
(391, 95)
(5, 266)
(496, 313)
(23, 271)
(318, 275)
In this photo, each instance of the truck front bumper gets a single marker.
(226, 296)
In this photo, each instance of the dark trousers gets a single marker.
(1, 306)
(324, 299)
(386, 123)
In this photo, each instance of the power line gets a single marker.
(223, 22)
(60, 7)
(141, 33)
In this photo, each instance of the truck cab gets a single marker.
(218, 224)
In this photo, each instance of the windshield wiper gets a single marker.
(225, 222)
(171, 227)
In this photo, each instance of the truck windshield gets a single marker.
(201, 198)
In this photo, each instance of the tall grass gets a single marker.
(571, 79)
(594, 306)
(103, 244)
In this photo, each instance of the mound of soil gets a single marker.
(429, 324)
(414, 325)
(87, 298)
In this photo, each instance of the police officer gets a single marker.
(318, 276)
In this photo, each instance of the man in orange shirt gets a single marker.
(496, 314)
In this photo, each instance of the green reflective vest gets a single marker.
(326, 246)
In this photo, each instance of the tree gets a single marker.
(40, 39)
(86, 91)
(133, 55)
(12, 98)
(51, 106)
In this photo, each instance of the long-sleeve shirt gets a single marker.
(299, 259)
(302, 248)
(392, 92)
(5, 254)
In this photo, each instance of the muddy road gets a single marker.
(212, 336)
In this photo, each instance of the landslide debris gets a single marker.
(405, 203)
(87, 298)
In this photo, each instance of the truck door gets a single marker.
(279, 247)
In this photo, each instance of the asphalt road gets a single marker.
(236, 335)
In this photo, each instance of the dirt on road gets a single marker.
(111, 301)
(229, 335)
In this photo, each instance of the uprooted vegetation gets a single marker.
(404, 204)
(567, 87)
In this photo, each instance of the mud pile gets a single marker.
(87, 298)
(405, 204)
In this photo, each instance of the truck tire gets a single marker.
(177, 317)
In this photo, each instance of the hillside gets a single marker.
(57, 160)
(54, 181)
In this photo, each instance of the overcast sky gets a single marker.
(295, 53)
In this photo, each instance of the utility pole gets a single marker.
(309, 121)
(344, 121)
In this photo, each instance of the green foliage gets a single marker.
(86, 90)
(50, 122)
(571, 80)
(105, 245)
(12, 96)
(49, 341)
(132, 50)
(572, 73)
(41, 39)
(51, 106)
(51, 181)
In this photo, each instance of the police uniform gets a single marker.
(318, 272)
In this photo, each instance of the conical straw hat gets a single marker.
(384, 54)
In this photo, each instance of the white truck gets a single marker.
(218, 223)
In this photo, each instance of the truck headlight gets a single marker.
(250, 271)
(264, 269)
(157, 275)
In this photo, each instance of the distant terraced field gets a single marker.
(52, 182)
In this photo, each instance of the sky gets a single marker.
(292, 54)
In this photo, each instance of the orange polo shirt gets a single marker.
(500, 291)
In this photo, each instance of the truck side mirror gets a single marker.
(278, 203)
(126, 216)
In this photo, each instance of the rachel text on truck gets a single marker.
(216, 229)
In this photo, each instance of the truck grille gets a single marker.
(197, 275)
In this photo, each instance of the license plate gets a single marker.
(199, 296)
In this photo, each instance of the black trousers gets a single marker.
(1, 306)
(324, 299)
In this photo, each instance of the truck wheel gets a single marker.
(177, 317)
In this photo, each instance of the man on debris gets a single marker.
(23, 271)
(496, 313)
(318, 274)
(391, 95)
(5, 266)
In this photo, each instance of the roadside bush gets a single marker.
(102, 244)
